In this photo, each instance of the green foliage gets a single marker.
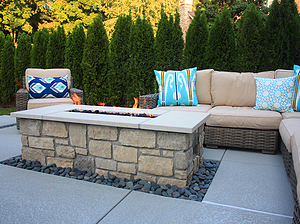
(220, 54)
(55, 55)
(7, 71)
(22, 58)
(119, 75)
(2, 40)
(282, 34)
(196, 42)
(250, 41)
(7, 111)
(74, 54)
(141, 59)
(95, 63)
(39, 49)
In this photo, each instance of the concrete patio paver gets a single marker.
(10, 142)
(214, 154)
(7, 120)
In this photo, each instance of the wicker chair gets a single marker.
(22, 96)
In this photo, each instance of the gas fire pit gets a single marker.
(159, 146)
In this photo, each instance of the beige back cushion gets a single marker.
(203, 85)
(233, 89)
(281, 73)
(47, 73)
(266, 75)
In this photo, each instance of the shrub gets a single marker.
(38, 52)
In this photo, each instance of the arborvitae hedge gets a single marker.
(196, 42)
(39, 49)
(250, 41)
(55, 56)
(74, 54)
(7, 71)
(177, 43)
(142, 59)
(220, 52)
(119, 75)
(22, 58)
(95, 63)
(2, 40)
(282, 33)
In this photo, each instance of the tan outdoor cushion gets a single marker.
(267, 74)
(281, 73)
(295, 144)
(287, 128)
(233, 89)
(203, 85)
(37, 103)
(203, 108)
(48, 73)
(288, 115)
(244, 117)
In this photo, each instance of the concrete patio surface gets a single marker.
(249, 187)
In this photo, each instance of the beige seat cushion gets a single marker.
(233, 89)
(48, 73)
(244, 117)
(287, 128)
(289, 115)
(281, 73)
(267, 74)
(204, 108)
(203, 85)
(45, 102)
(295, 143)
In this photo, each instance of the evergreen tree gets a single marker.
(141, 59)
(250, 41)
(55, 55)
(22, 58)
(95, 63)
(2, 40)
(38, 52)
(221, 44)
(119, 76)
(282, 35)
(74, 54)
(7, 71)
(196, 42)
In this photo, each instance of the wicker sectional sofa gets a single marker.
(230, 97)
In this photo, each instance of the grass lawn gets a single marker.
(6, 111)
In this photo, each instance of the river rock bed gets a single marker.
(194, 191)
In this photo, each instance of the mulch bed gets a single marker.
(8, 105)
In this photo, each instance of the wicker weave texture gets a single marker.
(148, 101)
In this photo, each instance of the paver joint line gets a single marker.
(114, 207)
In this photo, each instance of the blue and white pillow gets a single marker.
(177, 88)
(56, 87)
(274, 94)
(296, 98)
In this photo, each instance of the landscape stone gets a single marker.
(100, 148)
(102, 132)
(174, 141)
(106, 164)
(41, 142)
(60, 162)
(125, 154)
(81, 151)
(30, 127)
(156, 165)
(85, 163)
(24, 140)
(127, 168)
(77, 134)
(55, 129)
(137, 138)
(65, 152)
(176, 194)
(152, 152)
(33, 154)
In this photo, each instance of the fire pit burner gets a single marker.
(114, 113)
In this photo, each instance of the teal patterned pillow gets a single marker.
(296, 99)
(274, 94)
(177, 88)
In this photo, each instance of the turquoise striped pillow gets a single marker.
(296, 99)
(177, 88)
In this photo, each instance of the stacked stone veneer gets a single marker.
(162, 157)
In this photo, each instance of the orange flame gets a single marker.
(76, 99)
(136, 103)
(101, 104)
(19, 84)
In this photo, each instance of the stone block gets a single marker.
(125, 154)
(100, 148)
(30, 127)
(127, 168)
(106, 164)
(41, 143)
(183, 159)
(171, 181)
(103, 132)
(81, 151)
(156, 165)
(121, 175)
(24, 140)
(152, 152)
(85, 163)
(137, 138)
(61, 141)
(181, 174)
(55, 129)
(33, 155)
(101, 172)
(168, 153)
(60, 162)
(196, 164)
(174, 141)
(147, 177)
(49, 153)
(77, 134)
(65, 152)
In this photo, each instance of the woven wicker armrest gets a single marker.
(148, 101)
(78, 92)
(21, 99)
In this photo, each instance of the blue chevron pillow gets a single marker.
(56, 87)
(177, 88)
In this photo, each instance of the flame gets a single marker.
(76, 99)
(101, 104)
(19, 84)
(136, 103)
